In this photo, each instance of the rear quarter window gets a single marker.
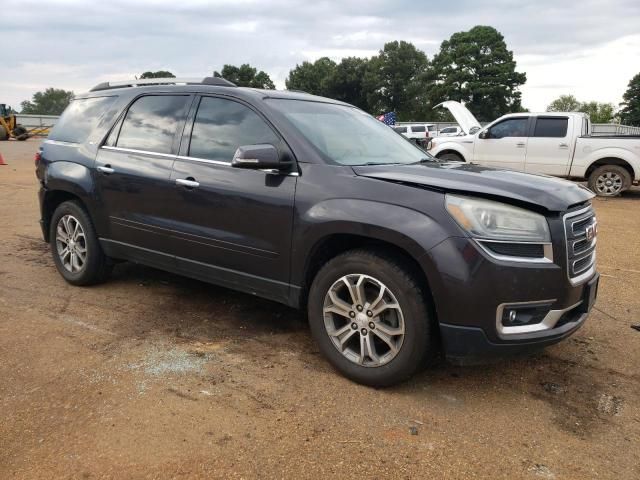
(418, 128)
(79, 119)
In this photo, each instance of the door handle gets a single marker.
(563, 145)
(107, 170)
(520, 144)
(187, 182)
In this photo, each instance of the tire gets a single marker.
(20, 133)
(451, 157)
(3, 133)
(96, 266)
(609, 180)
(413, 348)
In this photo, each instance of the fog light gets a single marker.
(516, 315)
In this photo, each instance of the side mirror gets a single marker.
(484, 135)
(258, 157)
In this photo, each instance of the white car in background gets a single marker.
(417, 132)
(450, 132)
(551, 143)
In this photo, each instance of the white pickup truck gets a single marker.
(552, 143)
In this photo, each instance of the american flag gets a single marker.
(388, 118)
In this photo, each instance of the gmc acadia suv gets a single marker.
(315, 204)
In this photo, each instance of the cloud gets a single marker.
(563, 46)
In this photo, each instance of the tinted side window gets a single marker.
(551, 127)
(79, 119)
(152, 122)
(513, 127)
(448, 130)
(221, 126)
(418, 128)
(400, 129)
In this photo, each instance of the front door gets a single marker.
(504, 145)
(133, 173)
(232, 226)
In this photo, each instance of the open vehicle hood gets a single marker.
(464, 117)
(550, 193)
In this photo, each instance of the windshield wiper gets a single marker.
(424, 160)
(379, 163)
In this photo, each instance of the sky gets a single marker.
(587, 48)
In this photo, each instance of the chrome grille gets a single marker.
(581, 230)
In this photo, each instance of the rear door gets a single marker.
(505, 145)
(232, 226)
(133, 173)
(549, 147)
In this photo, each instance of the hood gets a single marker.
(551, 193)
(464, 117)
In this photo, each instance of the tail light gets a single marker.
(427, 133)
(37, 158)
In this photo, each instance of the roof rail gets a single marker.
(163, 81)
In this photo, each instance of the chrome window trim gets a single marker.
(527, 331)
(60, 142)
(182, 157)
(139, 152)
(578, 279)
(546, 258)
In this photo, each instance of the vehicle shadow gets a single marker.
(176, 309)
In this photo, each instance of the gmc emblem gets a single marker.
(591, 232)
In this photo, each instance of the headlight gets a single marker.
(497, 221)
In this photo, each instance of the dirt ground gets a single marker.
(152, 375)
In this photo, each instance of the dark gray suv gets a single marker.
(315, 204)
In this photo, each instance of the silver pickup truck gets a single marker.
(551, 143)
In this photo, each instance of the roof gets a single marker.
(194, 85)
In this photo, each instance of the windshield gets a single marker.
(347, 136)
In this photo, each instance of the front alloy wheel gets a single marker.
(364, 320)
(369, 314)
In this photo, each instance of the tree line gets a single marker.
(474, 67)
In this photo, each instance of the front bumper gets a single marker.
(470, 345)
(472, 291)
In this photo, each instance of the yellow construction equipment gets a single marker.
(9, 127)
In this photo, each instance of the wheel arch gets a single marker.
(63, 181)
(52, 199)
(610, 161)
(451, 150)
(334, 244)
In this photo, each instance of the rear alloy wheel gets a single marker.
(71, 244)
(75, 247)
(609, 180)
(369, 315)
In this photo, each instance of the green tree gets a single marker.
(247, 76)
(477, 68)
(346, 82)
(396, 80)
(158, 74)
(564, 103)
(598, 112)
(630, 113)
(314, 78)
(52, 101)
